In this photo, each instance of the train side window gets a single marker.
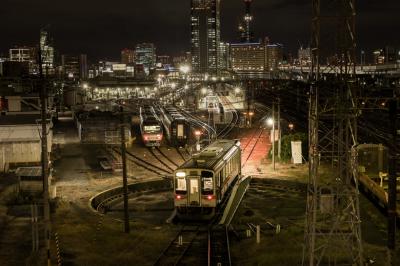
(207, 184)
(180, 186)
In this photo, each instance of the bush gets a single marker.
(286, 149)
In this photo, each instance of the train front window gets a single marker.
(180, 186)
(180, 131)
(152, 128)
(207, 184)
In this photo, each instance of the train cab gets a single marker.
(201, 183)
(150, 127)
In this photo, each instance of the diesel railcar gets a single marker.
(150, 127)
(176, 126)
(201, 183)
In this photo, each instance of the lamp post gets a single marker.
(197, 134)
(271, 122)
(185, 69)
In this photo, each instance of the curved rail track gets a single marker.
(181, 154)
(163, 159)
(232, 124)
(102, 201)
(144, 164)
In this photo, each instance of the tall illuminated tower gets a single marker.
(47, 48)
(246, 35)
(205, 35)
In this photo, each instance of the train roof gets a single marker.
(211, 155)
(173, 113)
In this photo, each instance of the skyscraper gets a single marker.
(74, 66)
(145, 54)
(246, 35)
(127, 56)
(46, 46)
(205, 35)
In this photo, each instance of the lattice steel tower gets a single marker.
(332, 232)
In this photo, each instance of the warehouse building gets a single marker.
(20, 143)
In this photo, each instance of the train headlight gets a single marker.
(180, 174)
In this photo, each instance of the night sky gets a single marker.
(102, 28)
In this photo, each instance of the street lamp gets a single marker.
(185, 69)
(197, 134)
(271, 122)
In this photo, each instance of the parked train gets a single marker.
(176, 126)
(202, 182)
(150, 127)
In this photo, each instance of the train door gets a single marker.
(180, 132)
(194, 191)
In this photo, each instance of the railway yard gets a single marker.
(88, 211)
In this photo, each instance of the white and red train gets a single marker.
(202, 182)
(151, 128)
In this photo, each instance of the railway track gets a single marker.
(144, 164)
(196, 121)
(181, 154)
(197, 245)
(252, 143)
(163, 159)
(232, 124)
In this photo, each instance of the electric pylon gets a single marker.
(333, 230)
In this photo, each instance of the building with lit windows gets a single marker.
(274, 56)
(47, 49)
(205, 36)
(127, 56)
(254, 59)
(304, 56)
(248, 57)
(26, 55)
(145, 54)
(74, 66)
(163, 60)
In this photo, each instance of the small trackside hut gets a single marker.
(202, 183)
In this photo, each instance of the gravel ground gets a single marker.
(87, 238)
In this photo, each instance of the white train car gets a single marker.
(201, 183)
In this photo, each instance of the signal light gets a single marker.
(210, 197)
(178, 197)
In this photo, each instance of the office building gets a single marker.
(274, 56)
(25, 55)
(127, 56)
(304, 56)
(47, 49)
(74, 66)
(379, 57)
(248, 57)
(205, 35)
(163, 60)
(145, 54)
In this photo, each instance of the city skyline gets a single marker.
(101, 30)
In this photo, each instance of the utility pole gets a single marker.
(45, 159)
(393, 157)
(124, 173)
(273, 135)
(279, 129)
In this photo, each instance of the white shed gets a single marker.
(20, 141)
